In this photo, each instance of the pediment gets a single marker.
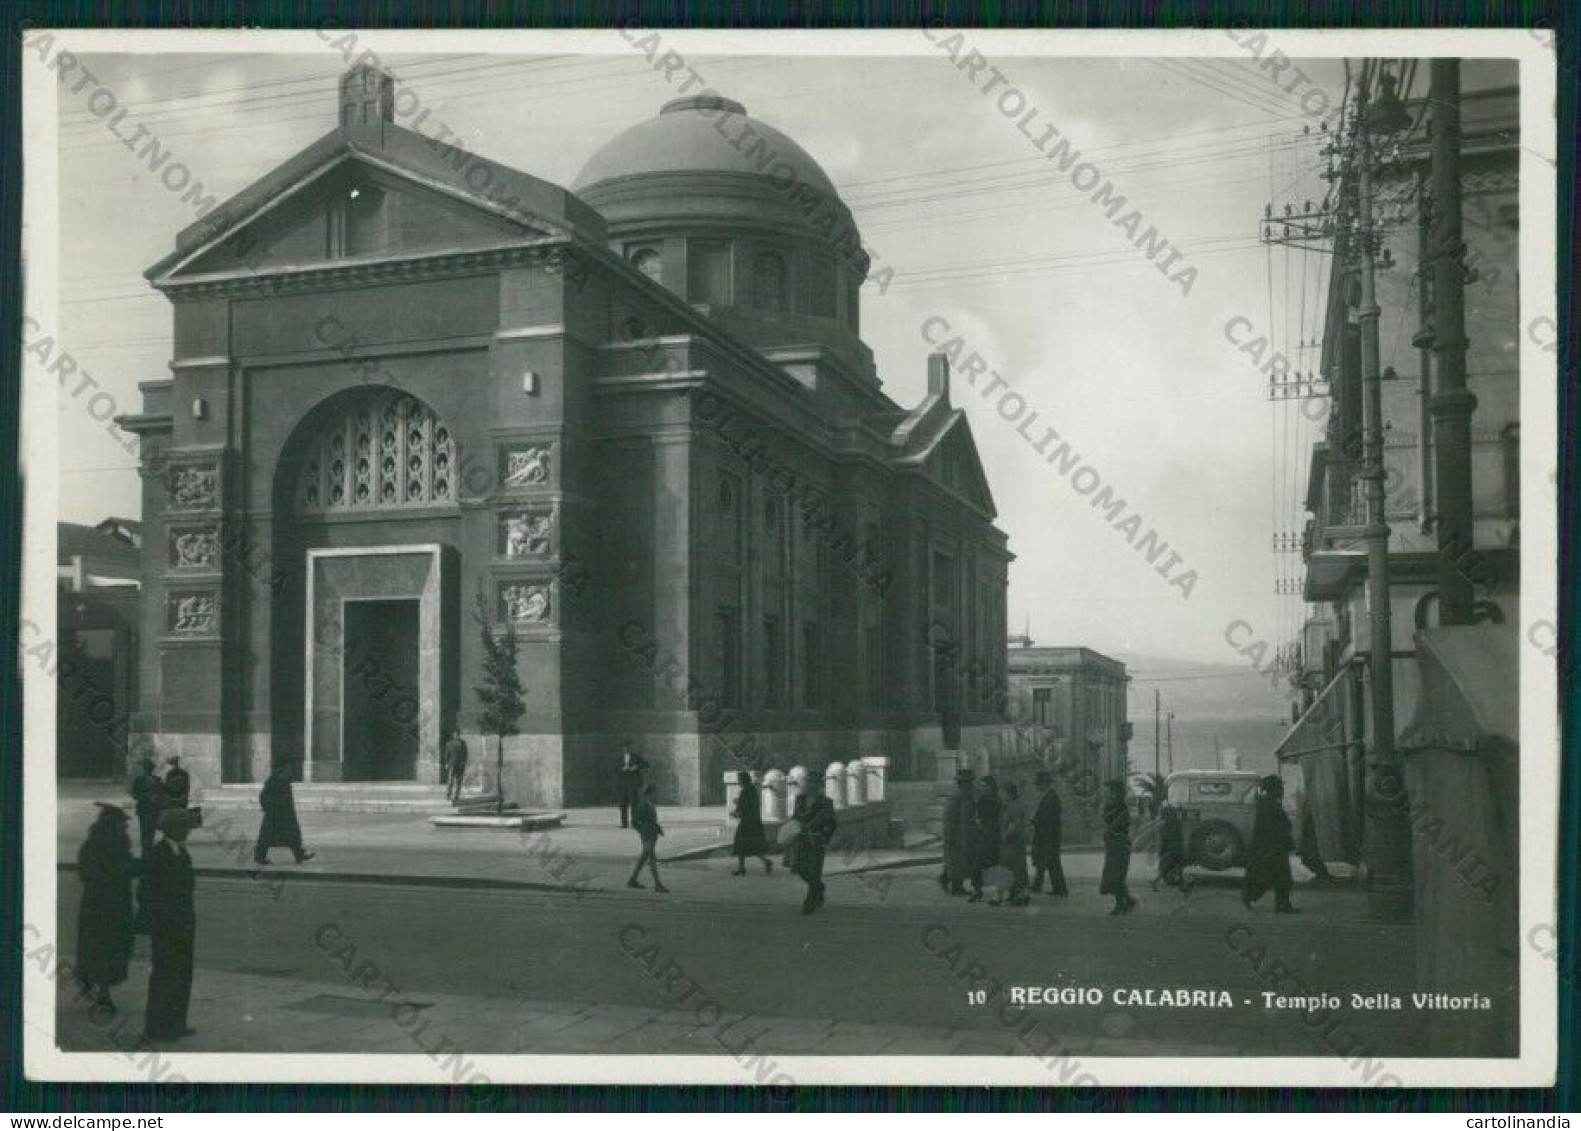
(352, 209)
(954, 462)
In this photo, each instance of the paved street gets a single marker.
(284, 958)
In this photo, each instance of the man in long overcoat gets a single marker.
(176, 789)
(1047, 833)
(146, 791)
(630, 777)
(1268, 856)
(960, 818)
(815, 813)
(280, 828)
(172, 930)
(985, 841)
(454, 757)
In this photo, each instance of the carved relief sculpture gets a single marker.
(195, 548)
(528, 603)
(527, 467)
(527, 535)
(192, 487)
(193, 613)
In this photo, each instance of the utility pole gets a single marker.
(1158, 765)
(1452, 404)
(1169, 740)
(1385, 844)
(1218, 762)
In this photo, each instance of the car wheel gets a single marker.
(1216, 846)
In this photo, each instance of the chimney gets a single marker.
(939, 376)
(367, 97)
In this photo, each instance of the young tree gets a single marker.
(500, 692)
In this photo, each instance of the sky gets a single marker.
(979, 229)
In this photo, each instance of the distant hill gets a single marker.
(1244, 709)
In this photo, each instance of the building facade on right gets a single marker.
(1333, 662)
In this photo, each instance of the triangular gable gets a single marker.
(430, 197)
(938, 441)
(956, 463)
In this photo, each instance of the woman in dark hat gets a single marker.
(106, 867)
(1268, 856)
(1116, 849)
(749, 839)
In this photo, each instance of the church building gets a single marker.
(416, 396)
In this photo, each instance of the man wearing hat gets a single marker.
(172, 930)
(960, 826)
(146, 793)
(1268, 856)
(815, 814)
(177, 788)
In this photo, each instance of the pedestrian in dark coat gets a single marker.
(645, 819)
(176, 790)
(1013, 842)
(749, 839)
(1047, 834)
(280, 828)
(960, 822)
(1116, 817)
(146, 799)
(1171, 850)
(1268, 857)
(985, 846)
(106, 867)
(629, 780)
(815, 814)
(454, 758)
(172, 931)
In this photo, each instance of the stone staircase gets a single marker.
(338, 797)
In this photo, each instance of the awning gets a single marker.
(1330, 573)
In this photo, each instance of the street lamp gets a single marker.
(1386, 835)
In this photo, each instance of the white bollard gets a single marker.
(774, 796)
(855, 782)
(834, 784)
(795, 782)
(876, 770)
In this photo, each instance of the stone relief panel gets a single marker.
(191, 487)
(196, 548)
(194, 614)
(526, 602)
(527, 533)
(528, 465)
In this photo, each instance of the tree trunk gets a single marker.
(499, 774)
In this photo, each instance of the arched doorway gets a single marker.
(365, 512)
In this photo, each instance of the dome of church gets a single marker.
(734, 217)
(703, 134)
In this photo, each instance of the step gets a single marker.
(338, 797)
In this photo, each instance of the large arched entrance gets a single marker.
(366, 510)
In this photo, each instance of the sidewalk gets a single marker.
(592, 855)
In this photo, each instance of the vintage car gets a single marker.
(1216, 807)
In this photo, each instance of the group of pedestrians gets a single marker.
(986, 839)
(107, 921)
(162, 877)
(806, 835)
